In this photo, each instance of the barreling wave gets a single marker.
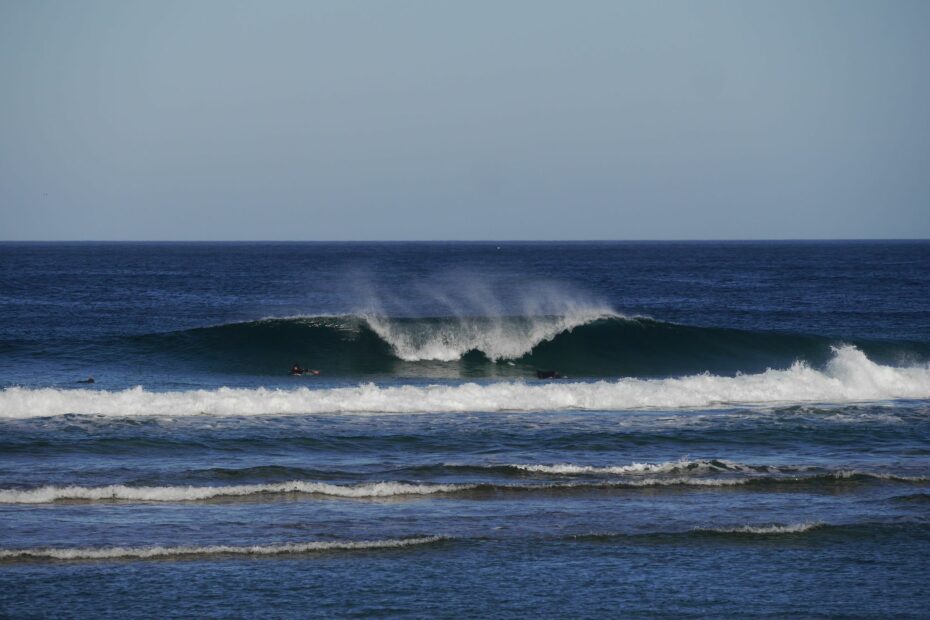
(369, 344)
(848, 377)
(589, 341)
(160, 552)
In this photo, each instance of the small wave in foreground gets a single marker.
(146, 553)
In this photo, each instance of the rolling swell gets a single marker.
(595, 344)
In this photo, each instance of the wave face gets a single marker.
(589, 341)
(848, 377)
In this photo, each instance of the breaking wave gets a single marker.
(589, 341)
(848, 377)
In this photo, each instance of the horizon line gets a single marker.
(649, 240)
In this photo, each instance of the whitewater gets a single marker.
(848, 377)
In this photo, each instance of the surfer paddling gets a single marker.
(296, 370)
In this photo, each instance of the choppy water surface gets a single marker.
(740, 430)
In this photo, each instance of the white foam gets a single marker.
(693, 467)
(848, 377)
(107, 553)
(688, 482)
(499, 338)
(795, 528)
(48, 494)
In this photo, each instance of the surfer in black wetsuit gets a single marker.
(87, 380)
(297, 370)
(547, 374)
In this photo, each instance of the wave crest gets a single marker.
(498, 338)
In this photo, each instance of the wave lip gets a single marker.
(144, 553)
(498, 338)
(849, 377)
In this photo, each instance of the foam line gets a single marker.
(48, 494)
(114, 553)
(849, 377)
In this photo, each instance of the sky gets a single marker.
(440, 120)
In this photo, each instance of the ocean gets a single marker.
(736, 430)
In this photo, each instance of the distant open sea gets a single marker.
(737, 430)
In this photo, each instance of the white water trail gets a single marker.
(50, 494)
(849, 377)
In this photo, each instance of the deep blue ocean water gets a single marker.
(739, 430)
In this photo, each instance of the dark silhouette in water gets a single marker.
(87, 380)
(547, 374)
(296, 370)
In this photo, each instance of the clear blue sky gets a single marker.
(219, 119)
